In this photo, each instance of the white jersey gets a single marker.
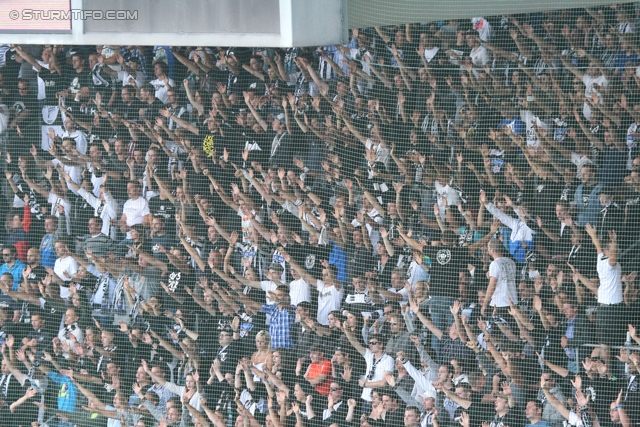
(504, 269)
(329, 299)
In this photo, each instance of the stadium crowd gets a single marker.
(432, 225)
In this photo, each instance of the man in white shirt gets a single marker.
(131, 73)
(611, 330)
(269, 286)
(502, 280)
(162, 83)
(378, 363)
(64, 268)
(71, 131)
(299, 289)
(135, 210)
(330, 290)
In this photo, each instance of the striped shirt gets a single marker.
(280, 328)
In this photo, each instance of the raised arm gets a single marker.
(354, 341)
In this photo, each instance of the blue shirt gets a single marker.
(517, 126)
(47, 252)
(282, 320)
(16, 272)
(541, 423)
(67, 393)
(338, 258)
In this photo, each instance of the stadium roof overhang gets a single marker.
(270, 23)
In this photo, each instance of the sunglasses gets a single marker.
(373, 342)
(334, 389)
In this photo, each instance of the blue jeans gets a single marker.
(441, 317)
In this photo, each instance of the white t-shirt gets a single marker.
(429, 54)
(66, 265)
(4, 118)
(530, 120)
(610, 290)
(480, 56)
(417, 273)
(375, 371)
(449, 193)
(74, 172)
(67, 331)
(135, 211)
(123, 76)
(575, 419)
(268, 286)
(589, 81)
(106, 211)
(329, 299)
(299, 291)
(162, 89)
(504, 269)
(382, 153)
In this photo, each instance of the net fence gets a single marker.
(433, 224)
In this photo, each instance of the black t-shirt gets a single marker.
(310, 258)
(544, 195)
(129, 111)
(316, 421)
(251, 324)
(21, 103)
(100, 132)
(384, 271)
(151, 110)
(548, 342)
(52, 313)
(236, 83)
(176, 281)
(53, 83)
(603, 391)
(477, 411)
(37, 274)
(209, 141)
(358, 259)
(230, 355)
(511, 418)
(446, 264)
(76, 81)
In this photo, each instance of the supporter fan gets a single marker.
(302, 228)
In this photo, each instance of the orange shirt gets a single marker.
(322, 368)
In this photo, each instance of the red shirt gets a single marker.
(322, 368)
